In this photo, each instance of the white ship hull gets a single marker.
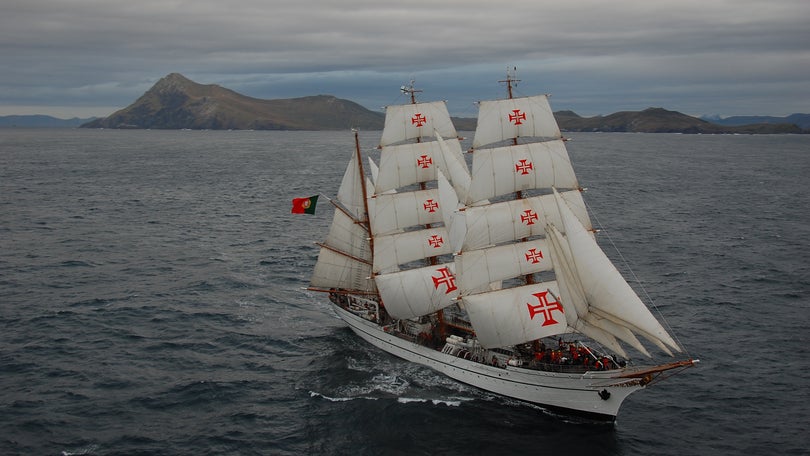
(569, 393)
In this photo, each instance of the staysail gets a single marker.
(608, 295)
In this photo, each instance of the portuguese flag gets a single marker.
(304, 205)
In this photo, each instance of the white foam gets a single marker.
(454, 402)
(89, 450)
(447, 402)
(339, 399)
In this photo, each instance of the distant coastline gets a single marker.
(41, 121)
(569, 122)
(176, 102)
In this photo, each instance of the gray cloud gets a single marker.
(721, 56)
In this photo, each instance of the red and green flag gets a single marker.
(304, 205)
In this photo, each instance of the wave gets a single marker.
(82, 451)
(342, 399)
(455, 402)
(447, 402)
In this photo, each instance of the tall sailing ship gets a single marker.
(489, 275)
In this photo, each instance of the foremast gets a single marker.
(358, 157)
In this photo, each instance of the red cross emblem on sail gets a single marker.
(424, 162)
(544, 308)
(431, 205)
(533, 256)
(528, 217)
(517, 117)
(523, 166)
(418, 119)
(435, 241)
(445, 278)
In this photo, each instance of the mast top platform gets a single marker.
(410, 90)
(510, 80)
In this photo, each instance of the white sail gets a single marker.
(375, 171)
(348, 236)
(454, 166)
(516, 315)
(607, 293)
(618, 331)
(518, 219)
(514, 118)
(453, 218)
(478, 268)
(393, 212)
(339, 271)
(505, 170)
(576, 304)
(419, 120)
(350, 193)
(574, 301)
(418, 292)
(407, 164)
(401, 248)
(603, 337)
(344, 260)
(567, 279)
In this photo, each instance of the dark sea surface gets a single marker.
(151, 302)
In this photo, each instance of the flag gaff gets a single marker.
(304, 205)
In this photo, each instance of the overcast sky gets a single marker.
(730, 57)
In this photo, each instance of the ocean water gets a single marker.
(151, 302)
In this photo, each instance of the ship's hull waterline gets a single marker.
(594, 395)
